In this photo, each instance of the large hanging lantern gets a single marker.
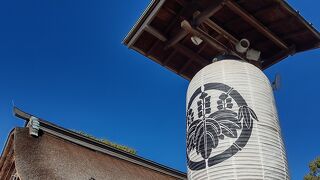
(232, 124)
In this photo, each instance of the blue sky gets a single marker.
(63, 60)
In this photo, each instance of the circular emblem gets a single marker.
(230, 118)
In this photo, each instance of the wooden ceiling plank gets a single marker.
(295, 34)
(202, 47)
(272, 25)
(255, 14)
(221, 31)
(170, 10)
(267, 9)
(189, 53)
(168, 59)
(255, 23)
(184, 67)
(152, 48)
(278, 57)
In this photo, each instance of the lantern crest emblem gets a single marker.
(213, 123)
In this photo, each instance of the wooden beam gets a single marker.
(177, 19)
(213, 8)
(210, 11)
(204, 36)
(189, 53)
(188, 7)
(155, 33)
(255, 23)
(181, 34)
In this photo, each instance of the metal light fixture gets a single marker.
(34, 126)
(243, 45)
(253, 54)
(196, 40)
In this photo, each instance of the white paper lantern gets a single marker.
(232, 125)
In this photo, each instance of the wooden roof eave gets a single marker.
(98, 146)
(195, 26)
(7, 156)
(143, 21)
(155, 5)
(298, 15)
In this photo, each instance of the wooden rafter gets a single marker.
(181, 34)
(255, 23)
(155, 33)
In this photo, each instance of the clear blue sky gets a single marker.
(63, 60)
